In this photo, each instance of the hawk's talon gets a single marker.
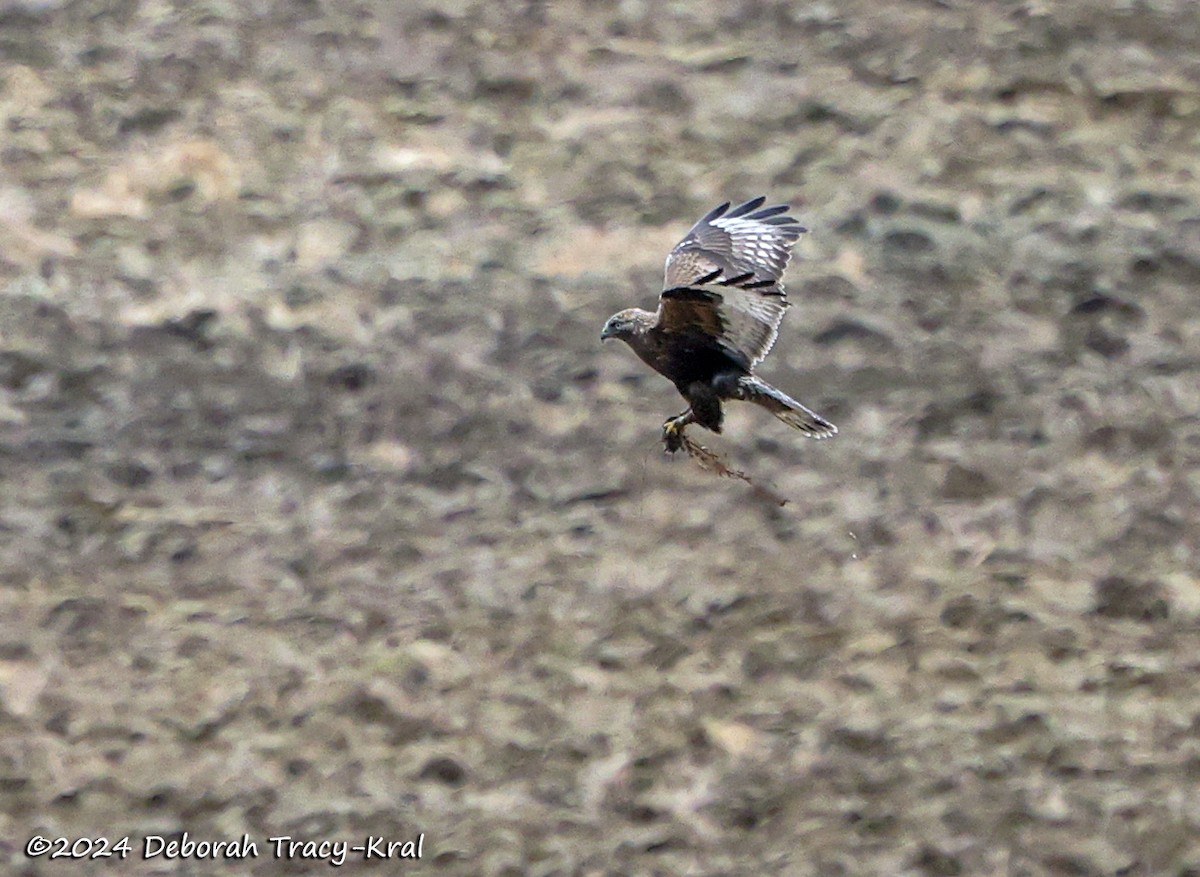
(672, 435)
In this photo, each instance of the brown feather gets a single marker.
(690, 310)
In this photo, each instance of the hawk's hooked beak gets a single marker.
(607, 332)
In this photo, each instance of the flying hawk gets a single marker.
(717, 317)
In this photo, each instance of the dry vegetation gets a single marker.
(323, 511)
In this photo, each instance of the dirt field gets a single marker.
(324, 513)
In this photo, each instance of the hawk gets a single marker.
(718, 315)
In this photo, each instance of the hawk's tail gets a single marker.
(785, 407)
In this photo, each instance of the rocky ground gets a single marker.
(323, 512)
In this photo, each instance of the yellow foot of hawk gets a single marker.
(672, 434)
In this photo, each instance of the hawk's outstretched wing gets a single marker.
(724, 278)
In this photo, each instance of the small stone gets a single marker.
(1118, 597)
(960, 612)
(444, 770)
(962, 483)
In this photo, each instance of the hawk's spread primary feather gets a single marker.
(719, 315)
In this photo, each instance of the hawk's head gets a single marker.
(625, 324)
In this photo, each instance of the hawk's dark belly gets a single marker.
(685, 360)
(693, 365)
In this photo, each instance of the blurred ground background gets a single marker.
(324, 512)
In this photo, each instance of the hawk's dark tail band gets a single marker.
(784, 407)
